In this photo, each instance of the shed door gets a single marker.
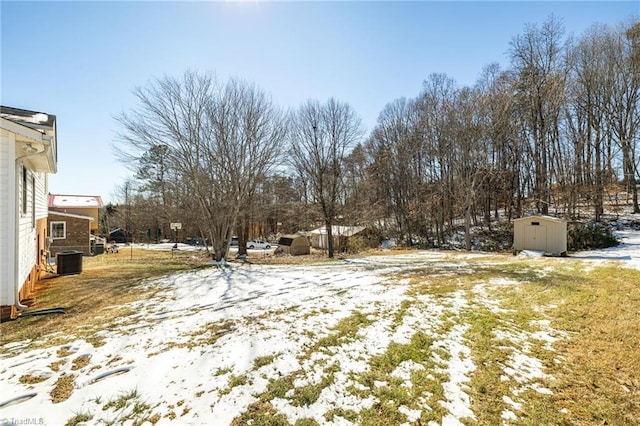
(535, 237)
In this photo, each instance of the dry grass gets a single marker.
(80, 362)
(598, 383)
(595, 368)
(62, 389)
(106, 281)
(30, 379)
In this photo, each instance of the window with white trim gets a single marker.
(33, 201)
(24, 190)
(58, 230)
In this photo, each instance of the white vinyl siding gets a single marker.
(28, 252)
(36, 208)
(23, 203)
(42, 195)
(7, 216)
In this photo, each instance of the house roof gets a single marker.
(345, 231)
(541, 217)
(33, 119)
(75, 201)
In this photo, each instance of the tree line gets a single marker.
(554, 133)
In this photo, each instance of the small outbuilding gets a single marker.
(540, 233)
(118, 235)
(294, 245)
(69, 231)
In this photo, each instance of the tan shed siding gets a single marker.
(540, 233)
(300, 246)
(294, 245)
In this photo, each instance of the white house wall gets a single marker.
(42, 195)
(7, 214)
(27, 245)
(26, 256)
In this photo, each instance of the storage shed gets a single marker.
(540, 233)
(294, 245)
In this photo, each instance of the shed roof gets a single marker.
(287, 240)
(75, 201)
(541, 217)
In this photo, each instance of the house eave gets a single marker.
(35, 146)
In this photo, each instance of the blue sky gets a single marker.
(81, 60)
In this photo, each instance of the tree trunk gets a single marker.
(467, 227)
(329, 229)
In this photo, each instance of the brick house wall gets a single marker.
(77, 233)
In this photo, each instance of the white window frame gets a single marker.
(64, 230)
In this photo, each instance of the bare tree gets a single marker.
(471, 152)
(538, 62)
(623, 106)
(434, 104)
(321, 137)
(589, 88)
(397, 162)
(219, 138)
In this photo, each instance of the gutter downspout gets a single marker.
(16, 264)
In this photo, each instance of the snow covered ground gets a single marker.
(211, 341)
(627, 252)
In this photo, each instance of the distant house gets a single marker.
(540, 233)
(28, 153)
(342, 235)
(294, 245)
(83, 205)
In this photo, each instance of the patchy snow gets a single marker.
(459, 367)
(627, 252)
(210, 341)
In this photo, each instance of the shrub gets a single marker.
(590, 235)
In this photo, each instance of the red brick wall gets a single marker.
(77, 237)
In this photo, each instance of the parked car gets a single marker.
(195, 241)
(258, 244)
(234, 241)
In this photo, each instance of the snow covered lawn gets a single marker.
(395, 339)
